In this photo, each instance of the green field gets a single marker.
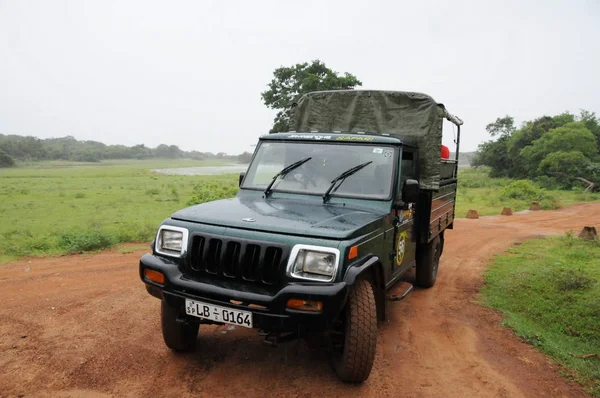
(62, 207)
(549, 293)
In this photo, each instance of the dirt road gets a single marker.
(85, 326)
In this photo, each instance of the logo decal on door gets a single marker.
(401, 247)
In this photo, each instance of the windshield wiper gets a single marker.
(342, 177)
(284, 171)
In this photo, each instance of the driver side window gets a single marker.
(407, 167)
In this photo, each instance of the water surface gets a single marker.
(203, 170)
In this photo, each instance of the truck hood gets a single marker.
(286, 216)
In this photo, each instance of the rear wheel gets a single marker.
(178, 336)
(355, 337)
(428, 260)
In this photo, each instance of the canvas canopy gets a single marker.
(413, 116)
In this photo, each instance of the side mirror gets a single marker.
(242, 175)
(410, 191)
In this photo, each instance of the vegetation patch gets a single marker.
(76, 242)
(478, 191)
(525, 190)
(66, 207)
(213, 190)
(559, 152)
(549, 293)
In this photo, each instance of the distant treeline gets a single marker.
(19, 148)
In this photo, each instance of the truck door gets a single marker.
(404, 245)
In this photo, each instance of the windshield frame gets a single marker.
(392, 183)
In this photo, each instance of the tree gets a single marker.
(5, 159)
(569, 168)
(572, 137)
(290, 83)
(592, 123)
(503, 126)
(244, 157)
(563, 118)
(495, 155)
(168, 151)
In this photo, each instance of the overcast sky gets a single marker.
(190, 73)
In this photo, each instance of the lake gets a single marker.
(203, 170)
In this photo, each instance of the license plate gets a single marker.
(218, 313)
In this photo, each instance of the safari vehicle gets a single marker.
(327, 218)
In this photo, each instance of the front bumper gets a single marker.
(272, 315)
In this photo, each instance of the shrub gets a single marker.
(525, 190)
(550, 204)
(572, 279)
(212, 191)
(73, 242)
(136, 233)
(79, 195)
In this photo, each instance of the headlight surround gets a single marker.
(315, 263)
(171, 241)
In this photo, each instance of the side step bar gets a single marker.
(400, 291)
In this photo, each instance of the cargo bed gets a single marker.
(435, 210)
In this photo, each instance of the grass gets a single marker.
(68, 207)
(57, 207)
(477, 191)
(549, 293)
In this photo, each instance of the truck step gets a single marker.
(400, 291)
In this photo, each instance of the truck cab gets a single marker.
(323, 225)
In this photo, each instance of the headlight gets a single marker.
(171, 241)
(313, 263)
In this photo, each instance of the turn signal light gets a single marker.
(353, 253)
(154, 276)
(305, 305)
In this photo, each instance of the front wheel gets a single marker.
(178, 336)
(357, 328)
(428, 261)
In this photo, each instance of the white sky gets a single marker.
(190, 73)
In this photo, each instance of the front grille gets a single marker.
(245, 261)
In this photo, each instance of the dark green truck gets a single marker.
(327, 218)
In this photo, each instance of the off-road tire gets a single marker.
(360, 334)
(428, 261)
(178, 336)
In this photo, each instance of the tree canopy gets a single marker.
(290, 83)
(561, 150)
(503, 126)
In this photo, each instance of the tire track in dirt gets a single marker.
(91, 330)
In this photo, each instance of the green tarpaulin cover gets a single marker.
(405, 114)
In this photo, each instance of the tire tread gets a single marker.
(361, 334)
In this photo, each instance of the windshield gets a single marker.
(327, 161)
